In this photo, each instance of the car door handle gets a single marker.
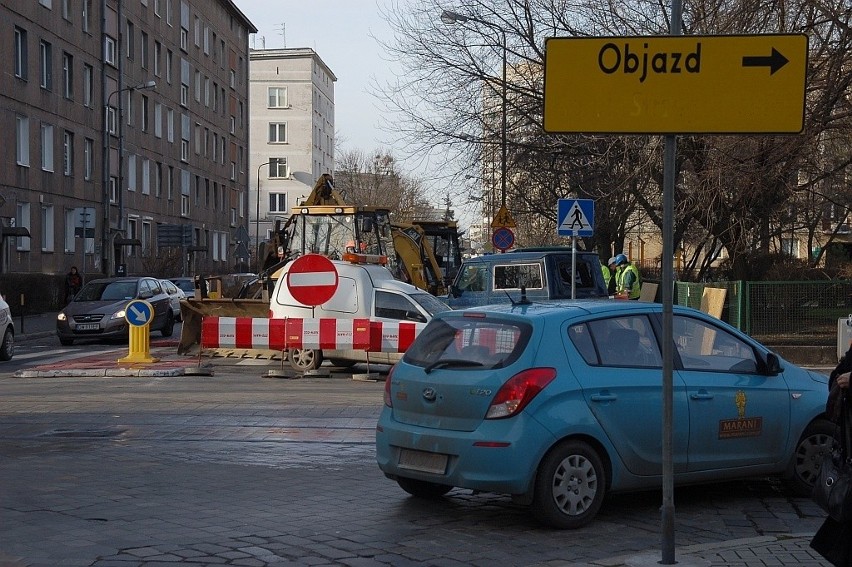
(702, 395)
(604, 397)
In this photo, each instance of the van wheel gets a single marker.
(342, 363)
(303, 360)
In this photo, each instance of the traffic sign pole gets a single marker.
(138, 314)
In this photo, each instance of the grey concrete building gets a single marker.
(127, 135)
(292, 131)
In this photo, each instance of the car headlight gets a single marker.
(61, 316)
(118, 314)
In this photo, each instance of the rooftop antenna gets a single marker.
(282, 29)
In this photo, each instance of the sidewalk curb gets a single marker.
(101, 372)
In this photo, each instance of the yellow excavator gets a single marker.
(323, 224)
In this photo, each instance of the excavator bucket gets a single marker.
(193, 310)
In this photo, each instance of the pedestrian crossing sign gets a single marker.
(576, 217)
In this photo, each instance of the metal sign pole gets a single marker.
(574, 267)
(669, 153)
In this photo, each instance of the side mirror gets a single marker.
(773, 364)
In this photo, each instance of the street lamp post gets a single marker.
(257, 220)
(106, 170)
(449, 17)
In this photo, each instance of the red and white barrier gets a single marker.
(329, 334)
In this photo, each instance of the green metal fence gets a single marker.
(779, 312)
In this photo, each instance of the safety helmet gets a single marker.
(611, 261)
(620, 259)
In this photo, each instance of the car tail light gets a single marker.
(515, 394)
(388, 401)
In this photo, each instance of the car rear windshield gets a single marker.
(469, 341)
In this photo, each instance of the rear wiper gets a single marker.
(444, 362)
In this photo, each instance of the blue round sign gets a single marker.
(138, 313)
(503, 239)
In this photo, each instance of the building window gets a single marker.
(198, 86)
(46, 3)
(146, 238)
(111, 119)
(46, 56)
(158, 49)
(278, 202)
(109, 50)
(233, 126)
(88, 84)
(22, 220)
(47, 228)
(113, 189)
(129, 39)
(144, 113)
(68, 75)
(22, 139)
(197, 31)
(21, 53)
(168, 4)
(158, 120)
(169, 61)
(170, 125)
(277, 133)
(157, 8)
(790, 247)
(183, 39)
(278, 168)
(158, 180)
(132, 233)
(88, 158)
(47, 147)
(131, 172)
(68, 153)
(184, 150)
(144, 53)
(87, 13)
(146, 176)
(184, 95)
(278, 97)
(66, 9)
(170, 187)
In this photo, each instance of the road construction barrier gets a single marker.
(323, 333)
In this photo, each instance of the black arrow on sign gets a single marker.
(774, 61)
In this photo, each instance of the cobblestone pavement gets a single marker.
(241, 469)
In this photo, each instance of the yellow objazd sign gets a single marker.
(676, 84)
(503, 219)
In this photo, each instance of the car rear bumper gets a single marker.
(499, 456)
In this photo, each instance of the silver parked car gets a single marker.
(97, 311)
(175, 295)
(7, 331)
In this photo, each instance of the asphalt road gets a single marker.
(241, 469)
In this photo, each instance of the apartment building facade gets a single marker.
(292, 132)
(128, 134)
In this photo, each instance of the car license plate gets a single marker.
(87, 327)
(422, 461)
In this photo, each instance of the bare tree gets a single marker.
(733, 192)
(374, 180)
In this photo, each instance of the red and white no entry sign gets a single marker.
(312, 279)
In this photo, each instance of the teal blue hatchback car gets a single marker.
(558, 404)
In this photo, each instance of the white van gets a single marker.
(367, 291)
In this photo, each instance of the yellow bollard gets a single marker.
(138, 315)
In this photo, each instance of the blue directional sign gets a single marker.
(575, 217)
(138, 313)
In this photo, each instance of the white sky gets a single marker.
(340, 31)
